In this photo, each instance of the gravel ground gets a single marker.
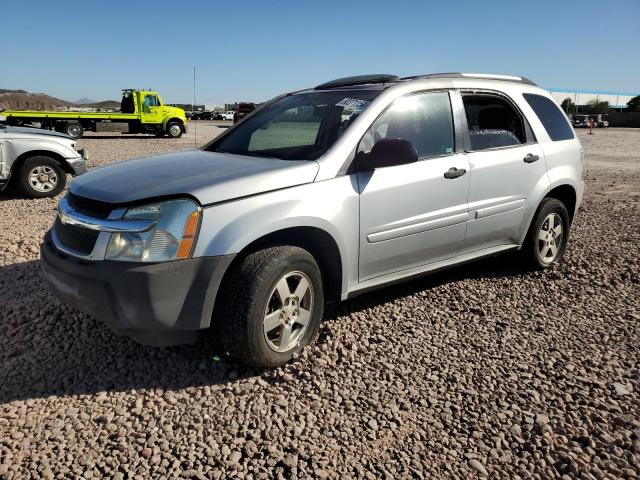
(485, 370)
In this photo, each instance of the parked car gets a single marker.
(38, 161)
(253, 232)
(601, 121)
(208, 116)
(228, 115)
(580, 121)
(244, 108)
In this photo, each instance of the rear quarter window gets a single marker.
(554, 121)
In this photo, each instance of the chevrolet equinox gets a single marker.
(317, 195)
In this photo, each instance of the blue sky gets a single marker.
(254, 50)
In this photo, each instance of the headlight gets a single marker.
(171, 238)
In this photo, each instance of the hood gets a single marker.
(36, 132)
(207, 176)
(178, 112)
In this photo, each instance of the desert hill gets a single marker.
(23, 100)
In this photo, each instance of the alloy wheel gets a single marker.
(550, 238)
(288, 313)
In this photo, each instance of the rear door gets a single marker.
(506, 164)
(411, 215)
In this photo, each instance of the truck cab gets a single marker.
(152, 111)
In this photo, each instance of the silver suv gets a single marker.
(320, 194)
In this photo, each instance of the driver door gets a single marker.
(151, 109)
(417, 213)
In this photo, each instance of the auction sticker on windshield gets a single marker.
(353, 104)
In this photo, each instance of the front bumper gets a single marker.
(154, 304)
(78, 165)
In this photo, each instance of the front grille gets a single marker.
(78, 239)
(91, 208)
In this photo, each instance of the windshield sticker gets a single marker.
(353, 104)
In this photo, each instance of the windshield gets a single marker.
(296, 127)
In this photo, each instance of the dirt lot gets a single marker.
(483, 370)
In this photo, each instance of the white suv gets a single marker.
(319, 194)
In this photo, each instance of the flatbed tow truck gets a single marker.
(141, 111)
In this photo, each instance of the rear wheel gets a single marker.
(73, 129)
(41, 177)
(174, 129)
(274, 306)
(547, 238)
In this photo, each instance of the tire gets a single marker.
(541, 249)
(174, 130)
(31, 177)
(73, 129)
(258, 328)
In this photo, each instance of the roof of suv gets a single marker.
(382, 81)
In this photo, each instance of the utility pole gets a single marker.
(193, 106)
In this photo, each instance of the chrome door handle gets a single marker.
(454, 172)
(531, 158)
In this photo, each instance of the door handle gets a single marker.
(531, 158)
(454, 172)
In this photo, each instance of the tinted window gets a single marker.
(424, 119)
(493, 122)
(296, 127)
(552, 118)
(150, 101)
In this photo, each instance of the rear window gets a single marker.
(493, 122)
(554, 121)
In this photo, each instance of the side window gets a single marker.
(554, 121)
(493, 122)
(295, 127)
(150, 101)
(424, 119)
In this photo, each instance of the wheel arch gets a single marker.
(20, 159)
(318, 242)
(564, 191)
(566, 194)
(173, 119)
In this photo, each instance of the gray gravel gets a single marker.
(483, 371)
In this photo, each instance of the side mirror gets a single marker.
(390, 152)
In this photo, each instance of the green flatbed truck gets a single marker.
(141, 111)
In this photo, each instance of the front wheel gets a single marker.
(274, 306)
(41, 177)
(548, 234)
(174, 130)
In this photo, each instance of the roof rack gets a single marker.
(358, 80)
(488, 76)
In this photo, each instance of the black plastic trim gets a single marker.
(358, 80)
(153, 303)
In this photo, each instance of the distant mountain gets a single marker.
(84, 101)
(23, 100)
(105, 104)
